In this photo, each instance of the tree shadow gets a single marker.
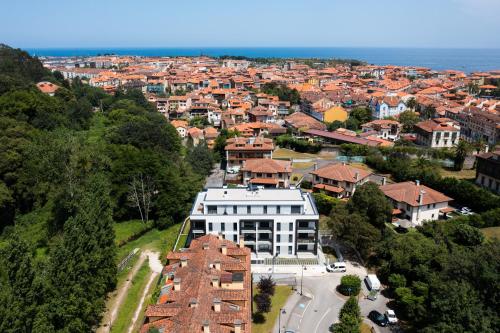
(258, 318)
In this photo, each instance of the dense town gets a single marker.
(330, 189)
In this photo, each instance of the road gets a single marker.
(319, 306)
(216, 178)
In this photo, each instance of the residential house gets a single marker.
(267, 172)
(204, 288)
(387, 106)
(240, 149)
(437, 133)
(415, 202)
(383, 128)
(488, 171)
(181, 126)
(339, 179)
(48, 88)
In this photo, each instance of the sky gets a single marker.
(254, 23)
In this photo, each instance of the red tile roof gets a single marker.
(409, 192)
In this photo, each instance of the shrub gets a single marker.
(263, 302)
(324, 202)
(350, 285)
(266, 285)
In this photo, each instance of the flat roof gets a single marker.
(244, 194)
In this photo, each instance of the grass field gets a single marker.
(302, 165)
(362, 166)
(492, 232)
(277, 302)
(128, 229)
(288, 153)
(134, 294)
(462, 174)
(154, 240)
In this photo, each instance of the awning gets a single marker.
(329, 188)
(396, 211)
(266, 181)
(447, 210)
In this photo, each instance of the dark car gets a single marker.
(378, 318)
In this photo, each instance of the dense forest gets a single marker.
(71, 166)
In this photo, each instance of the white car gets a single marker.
(336, 267)
(391, 316)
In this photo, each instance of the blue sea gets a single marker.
(468, 60)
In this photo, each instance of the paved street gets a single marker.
(216, 178)
(320, 304)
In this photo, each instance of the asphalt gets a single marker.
(319, 305)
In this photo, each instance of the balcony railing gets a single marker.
(306, 240)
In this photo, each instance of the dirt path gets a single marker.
(156, 267)
(117, 298)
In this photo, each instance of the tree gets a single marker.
(335, 125)
(201, 159)
(361, 114)
(141, 192)
(370, 201)
(411, 104)
(397, 281)
(266, 285)
(350, 285)
(467, 235)
(429, 112)
(408, 119)
(461, 151)
(349, 318)
(263, 302)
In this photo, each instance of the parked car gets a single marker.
(372, 296)
(391, 316)
(336, 267)
(378, 318)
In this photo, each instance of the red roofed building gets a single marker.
(238, 150)
(437, 133)
(339, 179)
(48, 88)
(416, 203)
(267, 172)
(205, 288)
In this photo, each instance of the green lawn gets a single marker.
(283, 153)
(492, 232)
(154, 240)
(462, 174)
(125, 230)
(277, 302)
(182, 242)
(302, 165)
(134, 294)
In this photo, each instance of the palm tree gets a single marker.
(461, 151)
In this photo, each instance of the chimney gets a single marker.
(223, 249)
(177, 284)
(421, 197)
(206, 326)
(242, 241)
(217, 304)
(193, 303)
(315, 167)
(215, 282)
(184, 262)
(384, 181)
(417, 182)
(356, 176)
(217, 264)
(205, 246)
(220, 236)
(237, 326)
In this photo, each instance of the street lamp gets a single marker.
(301, 279)
(282, 311)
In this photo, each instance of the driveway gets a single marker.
(216, 178)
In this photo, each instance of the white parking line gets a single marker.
(322, 317)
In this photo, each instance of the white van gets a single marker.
(336, 267)
(372, 282)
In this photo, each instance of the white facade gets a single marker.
(271, 222)
(418, 214)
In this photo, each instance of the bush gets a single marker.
(350, 285)
(324, 202)
(263, 302)
(306, 184)
(299, 145)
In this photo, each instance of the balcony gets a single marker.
(306, 240)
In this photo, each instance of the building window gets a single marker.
(249, 210)
(210, 226)
(235, 209)
(290, 250)
(278, 238)
(278, 226)
(290, 226)
(290, 238)
(235, 238)
(265, 209)
(223, 227)
(235, 226)
(278, 209)
(212, 209)
(295, 209)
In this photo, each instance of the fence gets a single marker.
(126, 260)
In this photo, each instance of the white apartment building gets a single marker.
(437, 133)
(271, 222)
